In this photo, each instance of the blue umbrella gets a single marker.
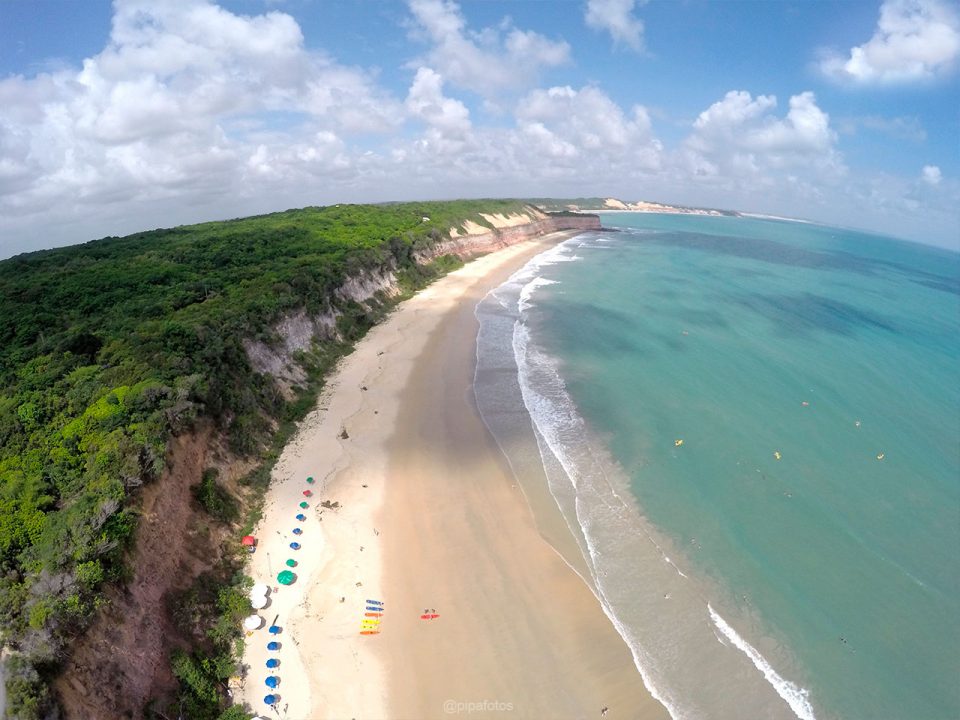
(273, 646)
(272, 682)
(297, 531)
(272, 663)
(295, 545)
(270, 699)
(301, 517)
(274, 629)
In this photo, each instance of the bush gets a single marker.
(214, 499)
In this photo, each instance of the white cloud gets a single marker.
(740, 139)
(931, 175)
(447, 119)
(178, 102)
(487, 62)
(914, 40)
(587, 125)
(192, 113)
(616, 17)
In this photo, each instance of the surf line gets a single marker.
(794, 695)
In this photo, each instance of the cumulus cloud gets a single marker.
(931, 175)
(181, 102)
(447, 119)
(740, 138)
(616, 17)
(587, 126)
(488, 61)
(914, 40)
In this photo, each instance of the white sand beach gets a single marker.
(429, 517)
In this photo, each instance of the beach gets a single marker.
(429, 518)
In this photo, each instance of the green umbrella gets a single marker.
(310, 480)
(291, 563)
(286, 577)
(304, 505)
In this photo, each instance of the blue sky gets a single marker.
(116, 117)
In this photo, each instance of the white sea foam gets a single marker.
(794, 695)
(556, 420)
(526, 294)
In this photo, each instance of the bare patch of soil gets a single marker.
(122, 661)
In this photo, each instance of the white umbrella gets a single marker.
(253, 622)
(259, 589)
(258, 602)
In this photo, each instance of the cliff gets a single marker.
(296, 333)
(484, 240)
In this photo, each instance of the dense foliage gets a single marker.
(109, 347)
(212, 610)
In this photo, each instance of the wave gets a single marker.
(794, 695)
(526, 294)
(655, 606)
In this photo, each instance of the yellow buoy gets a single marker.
(776, 454)
(677, 443)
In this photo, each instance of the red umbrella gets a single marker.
(249, 540)
(307, 493)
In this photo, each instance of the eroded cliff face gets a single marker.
(298, 332)
(478, 243)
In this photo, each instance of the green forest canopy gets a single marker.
(109, 347)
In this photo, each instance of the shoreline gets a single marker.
(519, 633)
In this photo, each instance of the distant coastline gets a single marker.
(590, 205)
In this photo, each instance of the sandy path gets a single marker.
(430, 518)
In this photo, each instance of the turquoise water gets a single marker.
(828, 579)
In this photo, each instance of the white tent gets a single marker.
(258, 602)
(253, 622)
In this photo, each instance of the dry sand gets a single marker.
(430, 518)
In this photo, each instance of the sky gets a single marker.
(126, 116)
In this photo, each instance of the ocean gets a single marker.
(751, 427)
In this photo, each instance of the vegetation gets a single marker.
(109, 348)
(213, 610)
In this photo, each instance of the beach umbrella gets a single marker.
(253, 622)
(259, 589)
(301, 517)
(297, 531)
(248, 540)
(307, 493)
(273, 646)
(259, 602)
(295, 545)
(304, 505)
(272, 663)
(310, 480)
(271, 699)
(272, 682)
(286, 577)
(291, 563)
(274, 630)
